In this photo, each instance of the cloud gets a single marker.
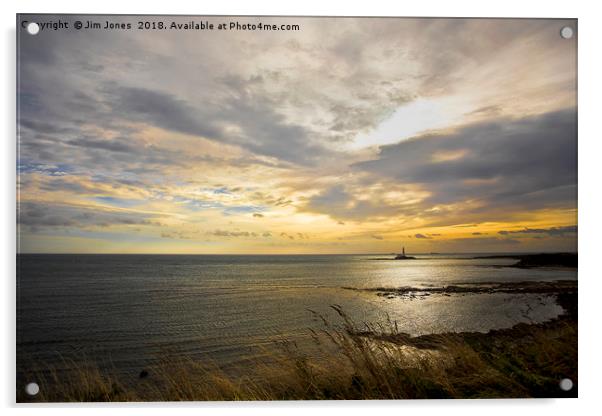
(239, 234)
(505, 167)
(276, 120)
(37, 215)
(286, 235)
(182, 235)
(553, 231)
(480, 242)
(510, 164)
(418, 235)
(121, 144)
(334, 200)
(242, 119)
(284, 98)
(352, 202)
(160, 109)
(225, 233)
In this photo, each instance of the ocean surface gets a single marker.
(128, 310)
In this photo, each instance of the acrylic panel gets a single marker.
(295, 208)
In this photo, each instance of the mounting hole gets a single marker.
(566, 384)
(32, 389)
(566, 32)
(33, 28)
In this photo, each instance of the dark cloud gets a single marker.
(489, 110)
(58, 184)
(238, 233)
(529, 163)
(121, 144)
(259, 128)
(181, 235)
(490, 171)
(479, 243)
(418, 235)
(334, 201)
(37, 215)
(337, 202)
(161, 109)
(553, 231)
(286, 235)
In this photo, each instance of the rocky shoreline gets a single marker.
(535, 356)
(524, 287)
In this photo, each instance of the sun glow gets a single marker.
(414, 118)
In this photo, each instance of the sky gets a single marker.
(354, 135)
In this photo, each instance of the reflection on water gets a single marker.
(127, 308)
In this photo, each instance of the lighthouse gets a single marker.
(403, 256)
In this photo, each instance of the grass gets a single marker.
(367, 362)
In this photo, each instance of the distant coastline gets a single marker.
(528, 261)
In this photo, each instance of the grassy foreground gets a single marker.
(377, 362)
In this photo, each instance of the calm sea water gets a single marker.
(129, 309)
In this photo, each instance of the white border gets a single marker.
(590, 68)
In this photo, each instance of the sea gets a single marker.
(126, 311)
